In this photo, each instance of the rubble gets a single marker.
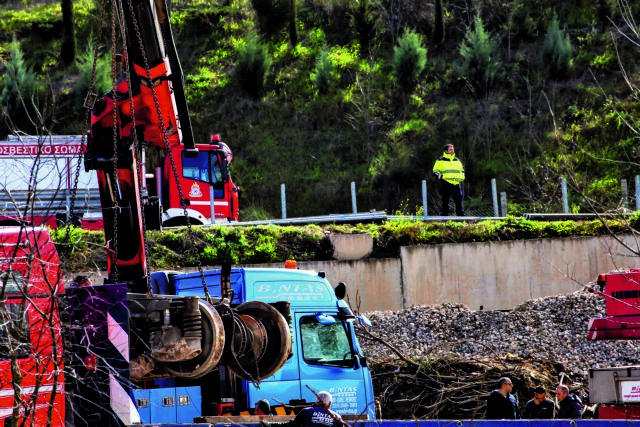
(553, 328)
(537, 343)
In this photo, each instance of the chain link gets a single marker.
(87, 115)
(137, 148)
(116, 207)
(168, 146)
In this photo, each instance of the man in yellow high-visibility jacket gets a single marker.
(449, 170)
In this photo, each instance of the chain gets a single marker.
(168, 146)
(88, 105)
(136, 149)
(116, 208)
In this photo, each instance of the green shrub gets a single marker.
(556, 50)
(102, 83)
(324, 72)
(481, 64)
(19, 85)
(409, 60)
(253, 65)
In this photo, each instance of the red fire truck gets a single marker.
(46, 200)
(31, 362)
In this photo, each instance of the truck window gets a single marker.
(14, 322)
(14, 330)
(196, 168)
(325, 344)
(215, 167)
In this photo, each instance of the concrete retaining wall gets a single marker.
(493, 275)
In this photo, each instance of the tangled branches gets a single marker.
(453, 388)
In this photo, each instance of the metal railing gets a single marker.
(48, 202)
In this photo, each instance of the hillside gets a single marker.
(514, 106)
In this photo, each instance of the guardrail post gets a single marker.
(638, 192)
(565, 197)
(503, 202)
(283, 197)
(68, 200)
(424, 199)
(625, 192)
(353, 197)
(494, 193)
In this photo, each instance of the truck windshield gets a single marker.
(198, 167)
(325, 344)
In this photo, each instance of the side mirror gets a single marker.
(340, 290)
(364, 320)
(325, 319)
(224, 168)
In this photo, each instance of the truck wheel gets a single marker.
(212, 346)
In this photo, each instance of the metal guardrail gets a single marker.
(375, 216)
(365, 217)
(381, 216)
(48, 202)
(569, 216)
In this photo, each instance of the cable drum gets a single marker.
(262, 345)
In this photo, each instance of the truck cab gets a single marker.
(326, 354)
(205, 182)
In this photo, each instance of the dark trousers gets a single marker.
(449, 190)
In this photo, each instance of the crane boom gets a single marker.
(155, 114)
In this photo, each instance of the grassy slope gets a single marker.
(527, 130)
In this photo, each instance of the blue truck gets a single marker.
(325, 352)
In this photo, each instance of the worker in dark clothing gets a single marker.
(449, 170)
(570, 406)
(539, 408)
(262, 407)
(319, 415)
(502, 405)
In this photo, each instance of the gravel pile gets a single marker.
(553, 328)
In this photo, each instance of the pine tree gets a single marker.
(409, 60)
(253, 65)
(557, 50)
(19, 83)
(324, 75)
(481, 65)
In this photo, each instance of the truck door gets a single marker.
(200, 174)
(330, 360)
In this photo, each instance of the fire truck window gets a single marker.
(215, 166)
(196, 168)
(324, 344)
(14, 330)
(13, 282)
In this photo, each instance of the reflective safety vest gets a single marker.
(449, 168)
